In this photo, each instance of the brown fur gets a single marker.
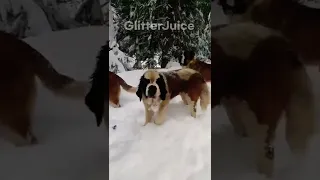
(269, 80)
(115, 82)
(19, 65)
(298, 22)
(187, 83)
(202, 67)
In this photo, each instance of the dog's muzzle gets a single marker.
(152, 90)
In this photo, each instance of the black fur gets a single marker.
(97, 96)
(162, 85)
(188, 56)
(142, 87)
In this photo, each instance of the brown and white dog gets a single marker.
(115, 82)
(202, 67)
(156, 89)
(188, 60)
(257, 76)
(19, 65)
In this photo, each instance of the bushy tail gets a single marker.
(300, 112)
(204, 97)
(58, 83)
(126, 86)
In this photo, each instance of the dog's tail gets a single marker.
(59, 84)
(204, 97)
(126, 86)
(300, 112)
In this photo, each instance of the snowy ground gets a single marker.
(179, 149)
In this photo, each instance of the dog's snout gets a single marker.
(152, 91)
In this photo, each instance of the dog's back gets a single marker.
(202, 67)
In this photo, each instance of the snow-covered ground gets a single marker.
(179, 149)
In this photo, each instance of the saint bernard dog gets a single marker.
(156, 89)
(20, 64)
(202, 67)
(96, 98)
(190, 61)
(257, 75)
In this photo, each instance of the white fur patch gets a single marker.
(241, 38)
(154, 104)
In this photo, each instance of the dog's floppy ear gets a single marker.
(142, 87)
(162, 85)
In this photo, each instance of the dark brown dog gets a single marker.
(156, 89)
(19, 65)
(257, 76)
(202, 67)
(188, 60)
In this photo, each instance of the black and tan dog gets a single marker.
(19, 65)
(156, 89)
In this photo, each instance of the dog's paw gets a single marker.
(158, 122)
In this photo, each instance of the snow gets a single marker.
(37, 20)
(173, 64)
(113, 61)
(179, 149)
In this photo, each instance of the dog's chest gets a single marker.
(154, 104)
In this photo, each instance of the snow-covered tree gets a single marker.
(25, 18)
(145, 44)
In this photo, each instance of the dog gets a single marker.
(19, 65)
(156, 89)
(202, 67)
(257, 75)
(188, 60)
(96, 98)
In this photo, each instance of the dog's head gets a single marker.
(152, 85)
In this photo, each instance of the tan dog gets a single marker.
(115, 82)
(156, 89)
(19, 65)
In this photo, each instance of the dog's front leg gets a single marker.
(162, 111)
(148, 114)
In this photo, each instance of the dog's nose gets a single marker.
(152, 91)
